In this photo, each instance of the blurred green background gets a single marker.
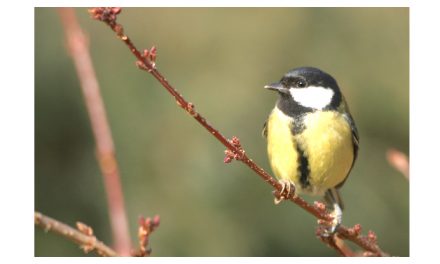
(220, 59)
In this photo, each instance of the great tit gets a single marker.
(312, 140)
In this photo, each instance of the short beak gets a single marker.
(277, 87)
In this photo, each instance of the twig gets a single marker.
(78, 49)
(146, 227)
(82, 236)
(369, 242)
(147, 61)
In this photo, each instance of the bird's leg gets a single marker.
(334, 200)
(337, 218)
(287, 190)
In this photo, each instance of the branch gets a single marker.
(147, 62)
(83, 236)
(78, 49)
(368, 243)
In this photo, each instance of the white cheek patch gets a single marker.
(313, 96)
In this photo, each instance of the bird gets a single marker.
(312, 139)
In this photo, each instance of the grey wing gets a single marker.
(355, 140)
(355, 135)
(264, 132)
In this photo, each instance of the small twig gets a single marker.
(83, 236)
(369, 242)
(399, 161)
(78, 49)
(146, 227)
(147, 62)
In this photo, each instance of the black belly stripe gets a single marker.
(303, 167)
(298, 127)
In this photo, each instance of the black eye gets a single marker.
(295, 82)
(300, 83)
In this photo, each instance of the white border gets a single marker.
(424, 130)
(17, 144)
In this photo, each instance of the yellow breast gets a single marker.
(281, 147)
(326, 142)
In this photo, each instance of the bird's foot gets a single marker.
(287, 190)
